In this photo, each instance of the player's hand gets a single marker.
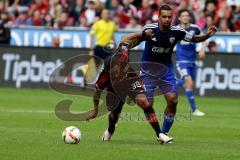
(201, 55)
(123, 45)
(149, 33)
(211, 31)
(92, 115)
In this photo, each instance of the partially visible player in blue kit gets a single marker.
(186, 55)
(159, 49)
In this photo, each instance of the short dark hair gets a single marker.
(212, 44)
(164, 7)
(183, 10)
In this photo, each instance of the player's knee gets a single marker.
(191, 84)
(171, 106)
(173, 102)
(139, 99)
(142, 101)
(188, 83)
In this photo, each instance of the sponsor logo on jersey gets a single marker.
(172, 40)
(160, 49)
(192, 31)
(154, 39)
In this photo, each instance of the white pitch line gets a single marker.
(25, 111)
(33, 111)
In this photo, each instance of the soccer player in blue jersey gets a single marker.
(186, 55)
(158, 49)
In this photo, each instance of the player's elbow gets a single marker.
(199, 38)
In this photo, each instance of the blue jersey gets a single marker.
(186, 51)
(159, 48)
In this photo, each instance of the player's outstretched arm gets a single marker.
(134, 39)
(200, 38)
(96, 97)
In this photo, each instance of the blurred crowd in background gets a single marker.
(127, 14)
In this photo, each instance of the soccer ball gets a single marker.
(71, 135)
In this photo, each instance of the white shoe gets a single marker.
(164, 139)
(106, 136)
(198, 113)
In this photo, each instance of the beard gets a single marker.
(166, 26)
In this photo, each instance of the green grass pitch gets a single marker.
(30, 130)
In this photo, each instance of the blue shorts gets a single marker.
(187, 69)
(166, 83)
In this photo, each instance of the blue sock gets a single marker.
(191, 99)
(180, 82)
(167, 123)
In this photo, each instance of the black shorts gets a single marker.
(102, 53)
(129, 87)
(136, 88)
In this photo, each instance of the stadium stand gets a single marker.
(58, 14)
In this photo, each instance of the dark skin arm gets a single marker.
(200, 38)
(96, 97)
(134, 39)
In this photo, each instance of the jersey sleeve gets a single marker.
(94, 28)
(147, 26)
(198, 31)
(114, 27)
(143, 30)
(185, 35)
